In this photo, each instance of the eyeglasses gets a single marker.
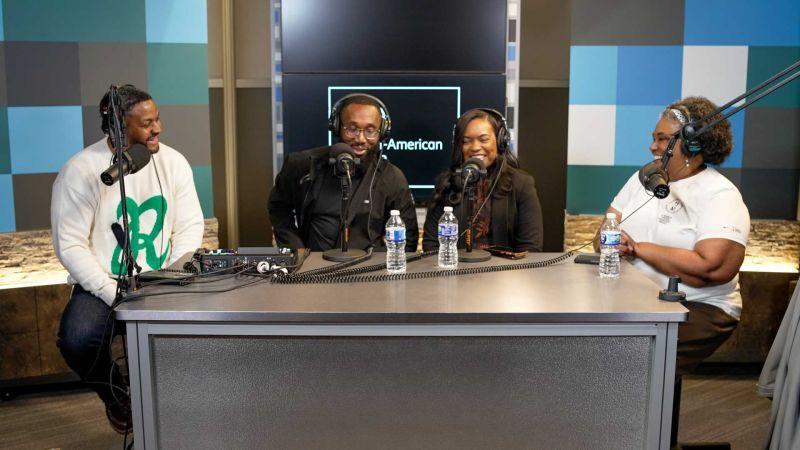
(369, 133)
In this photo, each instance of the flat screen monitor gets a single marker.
(391, 35)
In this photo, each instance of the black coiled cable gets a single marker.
(354, 275)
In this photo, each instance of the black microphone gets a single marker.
(472, 170)
(119, 234)
(133, 160)
(116, 228)
(654, 178)
(343, 158)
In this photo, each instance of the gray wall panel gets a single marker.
(254, 137)
(770, 193)
(254, 164)
(627, 22)
(543, 153)
(42, 73)
(544, 44)
(217, 133)
(32, 194)
(3, 92)
(772, 138)
(103, 64)
(91, 124)
(186, 129)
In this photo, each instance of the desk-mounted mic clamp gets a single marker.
(671, 293)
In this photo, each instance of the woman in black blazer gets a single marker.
(506, 211)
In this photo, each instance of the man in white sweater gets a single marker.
(165, 220)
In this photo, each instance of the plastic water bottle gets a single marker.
(395, 243)
(609, 247)
(448, 239)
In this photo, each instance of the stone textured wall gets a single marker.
(579, 230)
(27, 258)
(772, 243)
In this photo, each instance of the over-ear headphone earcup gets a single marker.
(333, 120)
(386, 125)
(692, 146)
(455, 127)
(695, 146)
(104, 125)
(503, 135)
(502, 140)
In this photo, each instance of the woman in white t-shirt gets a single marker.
(698, 232)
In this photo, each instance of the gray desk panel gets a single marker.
(402, 391)
(565, 292)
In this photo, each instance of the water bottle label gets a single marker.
(448, 229)
(395, 234)
(609, 238)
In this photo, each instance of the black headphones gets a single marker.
(105, 118)
(503, 136)
(105, 111)
(692, 143)
(335, 120)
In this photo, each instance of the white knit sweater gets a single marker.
(166, 221)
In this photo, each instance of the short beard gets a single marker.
(371, 156)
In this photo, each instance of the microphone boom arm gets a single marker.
(690, 131)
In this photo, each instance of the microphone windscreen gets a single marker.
(647, 170)
(654, 179)
(140, 157)
(477, 162)
(119, 234)
(339, 148)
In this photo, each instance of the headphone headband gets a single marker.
(335, 118)
(693, 145)
(503, 135)
(679, 115)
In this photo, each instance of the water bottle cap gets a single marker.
(611, 216)
(448, 209)
(394, 212)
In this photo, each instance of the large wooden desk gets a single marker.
(542, 358)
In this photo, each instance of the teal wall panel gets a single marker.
(202, 182)
(178, 73)
(74, 20)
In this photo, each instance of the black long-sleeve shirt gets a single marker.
(299, 185)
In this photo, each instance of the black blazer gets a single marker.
(516, 214)
(298, 185)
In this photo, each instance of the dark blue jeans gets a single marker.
(85, 339)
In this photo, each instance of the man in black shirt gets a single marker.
(305, 204)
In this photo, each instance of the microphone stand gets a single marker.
(471, 255)
(128, 281)
(344, 254)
